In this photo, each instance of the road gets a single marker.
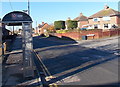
(69, 61)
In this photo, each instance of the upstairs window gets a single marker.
(107, 18)
(96, 19)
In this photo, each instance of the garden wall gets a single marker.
(91, 34)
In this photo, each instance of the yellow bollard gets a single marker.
(4, 47)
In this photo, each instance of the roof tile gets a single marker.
(105, 12)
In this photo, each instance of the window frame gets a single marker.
(106, 18)
(106, 27)
(96, 19)
(96, 25)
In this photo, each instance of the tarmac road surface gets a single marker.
(90, 62)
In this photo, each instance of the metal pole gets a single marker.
(28, 7)
(13, 30)
(36, 27)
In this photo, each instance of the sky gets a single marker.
(49, 12)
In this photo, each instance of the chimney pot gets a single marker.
(42, 22)
(69, 18)
(81, 14)
(106, 7)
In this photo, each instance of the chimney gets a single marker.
(43, 23)
(106, 7)
(69, 18)
(81, 14)
(39, 24)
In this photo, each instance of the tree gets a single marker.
(51, 28)
(71, 24)
(59, 25)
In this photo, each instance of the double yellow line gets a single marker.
(46, 70)
(43, 65)
(53, 85)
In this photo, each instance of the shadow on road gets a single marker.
(67, 60)
(64, 58)
(41, 42)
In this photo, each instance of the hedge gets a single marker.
(59, 25)
(71, 24)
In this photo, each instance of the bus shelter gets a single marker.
(18, 18)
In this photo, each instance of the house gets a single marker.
(20, 31)
(107, 18)
(66, 25)
(82, 20)
(42, 28)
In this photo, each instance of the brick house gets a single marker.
(105, 19)
(41, 28)
(82, 20)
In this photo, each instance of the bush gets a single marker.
(71, 24)
(65, 31)
(59, 25)
(61, 31)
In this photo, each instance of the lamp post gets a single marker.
(25, 11)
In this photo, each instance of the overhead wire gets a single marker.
(11, 5)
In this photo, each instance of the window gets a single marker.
(96, 26)
(107, 18)
(114, 26)
(96, 19)
(106, 26)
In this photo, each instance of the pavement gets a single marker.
(12, 68)
(12, 65)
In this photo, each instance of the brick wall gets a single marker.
(112, 32)
(118, 21)
(97, 34)
(81, 23)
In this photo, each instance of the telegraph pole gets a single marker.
(28, 7)
(36, 26)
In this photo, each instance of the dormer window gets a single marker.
(96, 19)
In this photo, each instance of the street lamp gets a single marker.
(25, 11)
